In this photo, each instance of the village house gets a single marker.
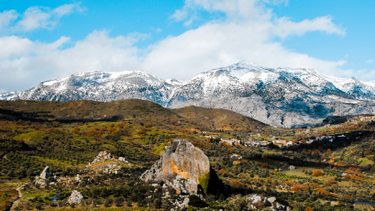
(235, 156)
(291, 167)
(231, 142)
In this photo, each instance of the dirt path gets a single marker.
(16, 202)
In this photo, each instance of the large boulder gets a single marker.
(45, 173)
(181, 165)
(41, 180)
(75, 198)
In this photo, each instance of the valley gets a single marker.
(101, 149)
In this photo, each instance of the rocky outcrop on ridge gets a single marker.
(105, 163)
(184, 167)
(41, 180)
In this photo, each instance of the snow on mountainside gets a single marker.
(286, 97)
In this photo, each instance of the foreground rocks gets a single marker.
(75, 198)
(256, 202)
(184, 167)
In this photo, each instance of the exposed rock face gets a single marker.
(103, 156)
(75, 198)
(182, 166)
(41, 180)
(111, 165)
(45, 173)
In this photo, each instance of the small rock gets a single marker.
(271, 199)
(75, 198)
(78, 178)
(122, 160)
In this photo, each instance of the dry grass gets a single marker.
(363, 207)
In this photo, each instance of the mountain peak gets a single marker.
(280, 97)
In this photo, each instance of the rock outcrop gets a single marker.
(105, 163)
(103, 156)
(75, 198)
(41, 180)
(45, 173)
(78, 178)
(183, 166)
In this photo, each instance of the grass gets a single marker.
(32, 194)
(104, 209)
(27, 137)
(53, 162)
(159, 149)
(363, 207)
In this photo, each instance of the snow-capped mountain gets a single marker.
(286, 97)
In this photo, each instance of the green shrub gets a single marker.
(195, 201)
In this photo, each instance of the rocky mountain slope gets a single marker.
(285, 97)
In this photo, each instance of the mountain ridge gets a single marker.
(284, 97)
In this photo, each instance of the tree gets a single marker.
(195, 201)
(317, 173)
(309, 209)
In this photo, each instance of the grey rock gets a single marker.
(109, 168)
(75, 198)
(45, 173)
(41, 180)
(181, 167)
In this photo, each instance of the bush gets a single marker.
(195, 201)
(119, 201)
(108, 202)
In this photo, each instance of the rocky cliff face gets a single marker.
(284, 97)
(183, 166)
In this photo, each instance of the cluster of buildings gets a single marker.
(256, 143)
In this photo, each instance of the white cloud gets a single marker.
(219, 44)
(284, 27)
(35, 17)
(370, 61)
(246, 33)
(362, 74)
(29, 63)
(157, 30)
(6, 17)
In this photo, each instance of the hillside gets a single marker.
(220, 119)
(86, 111)
(330, 167)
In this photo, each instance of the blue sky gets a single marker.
(42, 40)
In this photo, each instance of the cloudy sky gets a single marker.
(42, 40)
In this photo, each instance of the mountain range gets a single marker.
(282, 97)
